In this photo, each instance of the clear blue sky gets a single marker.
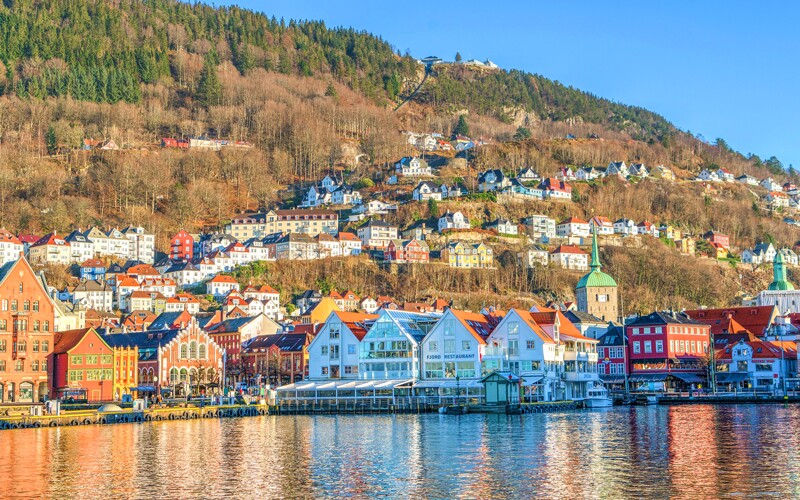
(720, 69)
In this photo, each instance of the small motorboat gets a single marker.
(597, 397)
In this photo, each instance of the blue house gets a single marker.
(93, 269)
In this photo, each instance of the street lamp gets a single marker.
(458, 389)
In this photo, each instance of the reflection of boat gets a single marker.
(597, 397)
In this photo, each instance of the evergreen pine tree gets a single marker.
(462, 128)
(209, 90)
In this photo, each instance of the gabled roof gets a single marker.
(168, 320)
(65, 341)
(572, 220)
(664, 318)
(8, 237)
(222, 278)
(357, 323)
(286, 342)
(568, 249)
(756, 319)
(479, 325)
(346, 236)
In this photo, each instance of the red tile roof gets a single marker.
(569, 249)
(756, 319)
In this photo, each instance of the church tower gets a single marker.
(597, 291)
(779, 281)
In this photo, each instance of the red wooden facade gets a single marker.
(667, 343)
(82, 366)
(27, 320)
(181, 246)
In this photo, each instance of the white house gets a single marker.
(536, 255)
(368, 305)
(618, 168)
(377, 234)
(141, 244)
(454, 347)
(747, 179)
(625, 227)
(762, 253)
(602, 225)
(412, 167)
(527, 174)
(333, 354)
(647, 228)
(553, 359)
(219, 286)
(770, 185)
(573, 226)
(540, 226)
(10, 247)
(709, 175)
(504, 226)
(588, 174)
(350, 244)
(638, 170)
(426, 190)
(453, 220)
(761, 364)
(492, 180)
(570, 257)
(93, 294)
(725, 175)
(80, 247)
(345, 195)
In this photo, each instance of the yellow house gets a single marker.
(686, 246)
(670, 232)
(320, 312)
(126, 370)
(461, 255)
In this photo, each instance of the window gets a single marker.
(530, 344)
(106, 359)
(449, 346)
(465, 345)
(659, 346)
(351, 348)
(636, 348)
(91, 359)
(35, 306)
(671, 346)
(14, 305)
(324, 370)
(46, 327)
(433, 346)
(513, 328)
(201, 351)
(351, 370)
(513, 347)
(324, 350)
(26, 305)
(44, 365)
(35, 346)
(36, 325)
(45, 343)
(648, 346)
(193, 349)
(3, 325)
(34, 366)
(682, 347)
(2, 346)
(4, 305)
(2, 365)
(18, 366)
(184, 354)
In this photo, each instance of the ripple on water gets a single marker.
(648, 452)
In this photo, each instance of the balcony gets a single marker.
(580, 356)
(580, 376)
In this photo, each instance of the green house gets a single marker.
(501, 388)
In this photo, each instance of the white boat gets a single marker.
(597, 397)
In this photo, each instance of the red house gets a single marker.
(280, 359)
(410, 251)
(722, 239)
(27, 321)
(612, 359)
(667, 347)
(82, 366)
(181, 246)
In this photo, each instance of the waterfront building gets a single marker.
(612, 357)
(756, 365)
(27, 318)
(553, 359)
(232, 334)
(277, 359)
(174, 360)
(81, 366)
(452, 351)
(597, 291)
(334, 351)
(667, 349)
(728, 321)
(390, 349)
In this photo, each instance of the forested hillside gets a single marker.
(314, 100)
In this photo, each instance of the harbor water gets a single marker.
(698, 451)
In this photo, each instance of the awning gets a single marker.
(144, 388)
(689, 378)
(725, 378)
(612, 379)
(648, 377)
(527, 382)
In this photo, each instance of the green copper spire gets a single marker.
(596, 277)
(779, 275)
(595, 251)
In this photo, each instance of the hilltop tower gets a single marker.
(779, 281)
(597, 291)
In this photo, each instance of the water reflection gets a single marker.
(652, 452)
